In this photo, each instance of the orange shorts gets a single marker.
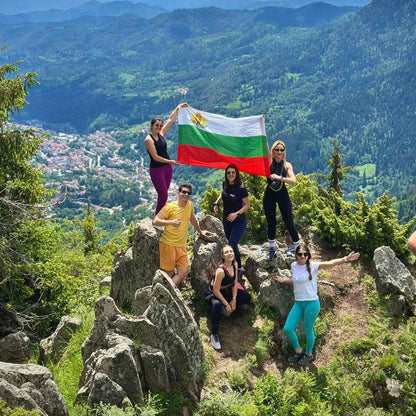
(171, 256)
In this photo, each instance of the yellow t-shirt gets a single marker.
(176, 236)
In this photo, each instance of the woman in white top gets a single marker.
(307, 306)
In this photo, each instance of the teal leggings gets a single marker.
(308, 310)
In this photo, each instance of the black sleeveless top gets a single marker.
(278, 168)
(228, 280)
(161, 150)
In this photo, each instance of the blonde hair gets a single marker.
(276, 143)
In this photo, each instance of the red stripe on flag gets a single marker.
(209, 158)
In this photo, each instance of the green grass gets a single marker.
(68, 370)
(368, 168)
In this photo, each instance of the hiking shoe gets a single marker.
(295, 358)
(215, 342)
(291, 250)
(272, 253)
(305, 360)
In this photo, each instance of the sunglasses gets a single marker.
(185, 192)
(158, 125)
(231, 172)
(279, 150)
(302, 254)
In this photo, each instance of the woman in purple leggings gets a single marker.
(160, 164)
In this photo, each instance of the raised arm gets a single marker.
(172, 118)
(335, 262)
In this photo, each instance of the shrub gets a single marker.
(228, 404)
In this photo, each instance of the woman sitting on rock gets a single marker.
(224, 293)
(307, 306)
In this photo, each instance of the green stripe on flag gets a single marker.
(253, 146)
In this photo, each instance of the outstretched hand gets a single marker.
(277, 278)
(352, 256)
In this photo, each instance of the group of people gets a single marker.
(225, 292)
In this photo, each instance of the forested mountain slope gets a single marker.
(351, 78)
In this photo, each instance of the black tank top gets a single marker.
(161, 150)
(228, 279)
(278, 168)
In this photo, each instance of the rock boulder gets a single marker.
(30, 386)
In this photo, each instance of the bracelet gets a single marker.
(345, 259)
(238, 214)
(234, 297)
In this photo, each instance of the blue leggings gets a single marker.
(234, 232)
(308, 310)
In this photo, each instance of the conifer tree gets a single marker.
(338, 170)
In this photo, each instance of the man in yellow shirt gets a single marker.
(175, 217)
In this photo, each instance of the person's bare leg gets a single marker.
(412, 243)
(181, 273)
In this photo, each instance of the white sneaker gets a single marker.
(215, 342)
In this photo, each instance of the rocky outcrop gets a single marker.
(104, 283)
(136, 267)
(53, 347)
(259, 272)
(394, 281)
(207, 254)
(124, 356)
(15, 348)
(30, 386)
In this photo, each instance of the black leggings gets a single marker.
(216, 305)
(281, 197)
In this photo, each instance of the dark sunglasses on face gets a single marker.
(303, 254)
(279, 150)
(158, 125)
(185, 192)
(230, 172)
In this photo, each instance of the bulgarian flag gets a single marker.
(215, 141)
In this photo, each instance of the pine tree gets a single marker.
(338, 170)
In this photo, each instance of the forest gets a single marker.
(321, 78)
(339, 94)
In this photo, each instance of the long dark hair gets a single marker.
(308, 264)
(237, 176)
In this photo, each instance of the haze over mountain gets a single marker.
(351, 78)
(91, 8)
(25, 6)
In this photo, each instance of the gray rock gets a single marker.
(398, 305)
(142, 300)
(106, 282)
(154, 368)
(214, 225)
(15, 348)
(276, 295)
(178, 335)
(53, 347)
(259, 269)
(32, 387)
(394, 281)
(159, 348)
(393, 277)
(135, 269)
(106, 391)
(207, 254)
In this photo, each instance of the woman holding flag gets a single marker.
(276, 193)
(160, 163)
